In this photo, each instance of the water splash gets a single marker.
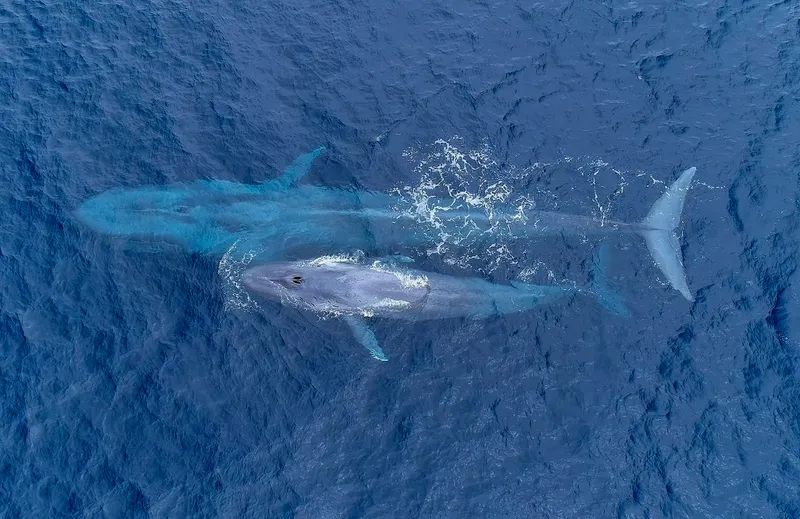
(453, 184)
(456, 181)
(354, 257)
(231, 266)
(407, 279)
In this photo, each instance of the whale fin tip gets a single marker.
(296, 170)
(365, 336)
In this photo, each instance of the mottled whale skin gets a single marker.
(286, 219)
(355, 290)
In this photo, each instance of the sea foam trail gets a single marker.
(473, 182)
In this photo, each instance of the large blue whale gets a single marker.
(287, 219)
(355, 290)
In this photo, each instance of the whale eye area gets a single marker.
(297, 280)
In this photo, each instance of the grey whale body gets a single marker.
(354, 291)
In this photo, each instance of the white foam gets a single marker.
(231, 266)
(469, 180)
(394, 304)
(474, 181)
(407, 279)
(352, 258)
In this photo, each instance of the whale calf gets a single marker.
(355, 291)
(285, 219)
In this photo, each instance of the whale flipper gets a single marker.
(658, 229)
(365, 336)
(295, 171)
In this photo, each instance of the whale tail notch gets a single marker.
(659, 231)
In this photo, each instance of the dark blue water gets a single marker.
(128, 390)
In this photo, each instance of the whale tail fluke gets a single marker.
(599, 286)
(659, 231)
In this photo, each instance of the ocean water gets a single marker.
(134, 383)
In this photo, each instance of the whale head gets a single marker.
(332, 287)
(278, 281)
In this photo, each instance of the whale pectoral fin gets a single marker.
(296, 170)
(365, 336)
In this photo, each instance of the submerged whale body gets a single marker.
(354, 291)
(289, 219)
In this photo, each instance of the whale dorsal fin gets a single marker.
(365, 336)
(295, 171)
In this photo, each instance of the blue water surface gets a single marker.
(129, 388)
